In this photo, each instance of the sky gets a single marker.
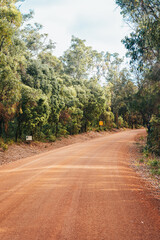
(97, 21)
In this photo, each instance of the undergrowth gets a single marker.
(3, 145)
(151, 161)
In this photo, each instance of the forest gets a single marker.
(48, 97)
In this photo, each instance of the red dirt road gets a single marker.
(85, 191)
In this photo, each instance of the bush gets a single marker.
(113, 125)
(3, 145)
(153, 163)
(126, 125)
(62, 132)
(153, 171)
(145, 152)
(153, 139)
(120, 122)
(51, 138)
(141, 160)
(141, 138)
(10, 141)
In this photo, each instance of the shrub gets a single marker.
(3, 145)
(141, 160)
(120, 122)
(62, 132)
(153, 140)
(10, 142)
(51, 138)
(153, 163)
(113, 125)
(145, 153)
(158, 172)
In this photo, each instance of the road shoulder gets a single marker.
(151, 182)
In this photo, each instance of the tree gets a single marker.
(33, 112)
(143, 44)
(94, 106)
(35, 41)
(10, 20)
(77, 59)
(121, 87)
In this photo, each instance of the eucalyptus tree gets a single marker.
(36, 41)
(95, 104)
(33, 112)
(77, 60)
(143, 46)
(121, 86)
(10, 21)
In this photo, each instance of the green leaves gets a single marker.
(35, 41)
(77, 59)
(10, 20)
(47, 96)
(143, 47)
(143, 44)
(34, 110)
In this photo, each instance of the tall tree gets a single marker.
(143, 46)
(77, 59)
(10, 20)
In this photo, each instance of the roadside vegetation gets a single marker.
(49, 97)
(147, 163)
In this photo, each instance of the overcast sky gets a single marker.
(97, 21)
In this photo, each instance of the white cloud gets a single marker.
(96, 21)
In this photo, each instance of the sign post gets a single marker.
(100, 123)
(29, 138)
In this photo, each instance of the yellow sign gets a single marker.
(100, 123)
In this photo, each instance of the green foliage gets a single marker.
(122, 90)
(141, 160)
(48, 97)
(36, 42)
(145, 152)
(143, 46)
(77, 59)
(51, 138)
(120, 122)
(33, 112)
(3, 145)
(153, 139)
(154, 165)
(10, 20)
(10, 85)
(150, 161)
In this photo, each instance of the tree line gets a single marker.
(47, 97)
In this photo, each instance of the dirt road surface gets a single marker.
(85, 191)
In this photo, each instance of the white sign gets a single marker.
(28, 138)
